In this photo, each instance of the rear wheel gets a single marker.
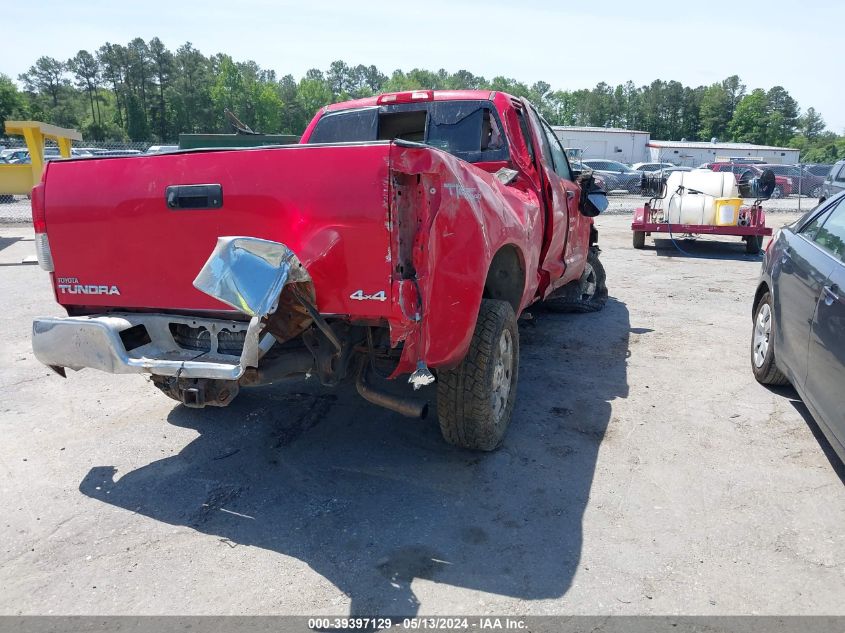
(588, 294)
(762, 349)
(816, 191)
(639, 239)
(475, 400)
(777, 193)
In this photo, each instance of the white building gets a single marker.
(694, 153)
(610, 143)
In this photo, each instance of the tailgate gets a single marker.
(111, 230)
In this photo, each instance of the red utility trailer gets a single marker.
(751, 226)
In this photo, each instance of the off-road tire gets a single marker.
(767, 373)
(753, 244)
(588, 294)
(470, 414)
(639, 239)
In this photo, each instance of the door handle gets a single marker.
(193, 197)
(830, 295)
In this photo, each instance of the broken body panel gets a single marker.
(391, 234)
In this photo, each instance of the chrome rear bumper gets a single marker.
(106, 343)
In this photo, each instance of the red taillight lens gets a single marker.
(39, 216)
(771, 241)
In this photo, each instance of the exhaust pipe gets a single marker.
(409, 407)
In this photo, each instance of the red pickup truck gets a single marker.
(404, 235)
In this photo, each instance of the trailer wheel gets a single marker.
(639, 239)
(762, 349)
(475, 400)
(588, 294)
(753, 244)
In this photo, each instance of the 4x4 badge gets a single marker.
(359, 295)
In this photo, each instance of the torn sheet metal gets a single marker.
(249, 274)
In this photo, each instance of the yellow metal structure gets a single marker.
(20, 179)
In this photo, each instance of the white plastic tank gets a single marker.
(691, 195)
(691, 208)
(718, 184)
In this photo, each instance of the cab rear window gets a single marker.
(470, 130)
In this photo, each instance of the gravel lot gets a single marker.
(645, 472)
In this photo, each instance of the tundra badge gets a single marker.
(71, 286)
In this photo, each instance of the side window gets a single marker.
(523, 127)
(561, 165)
(831, 234)
(840, 177)
(492, 137)
(811, 228)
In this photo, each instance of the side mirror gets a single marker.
(593, 198)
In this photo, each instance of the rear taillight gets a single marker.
(39, 223)
(771, 241)
(39, 216)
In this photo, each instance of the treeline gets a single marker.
(144, 92)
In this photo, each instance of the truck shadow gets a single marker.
(372, 501)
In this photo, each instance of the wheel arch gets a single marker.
(506, 277)
(762, 289)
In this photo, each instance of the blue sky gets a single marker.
(569, 45)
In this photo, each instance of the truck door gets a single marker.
(560, 194)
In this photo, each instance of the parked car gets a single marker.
(834, 182)
(161, 149)
(648, 182)
(803, 181)
(651, 166)
(745, 161)
(604, 180)
(117, 152)
(16, 156)
(818, 169)
(783, 185)
(798, 335)
(412, 242)
(623, 176)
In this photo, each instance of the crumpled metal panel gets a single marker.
(249, 274)
(461, 215)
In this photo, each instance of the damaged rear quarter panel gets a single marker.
(458, 216)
